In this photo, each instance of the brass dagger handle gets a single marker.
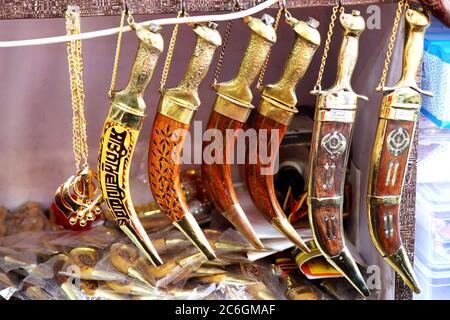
(353, 25)
(207, 42)
(150, 47)
(262, 38)
(252, 61)
(306, 42)
(181, 102)
(417, 23)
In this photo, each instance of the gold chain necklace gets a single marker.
(79, 197)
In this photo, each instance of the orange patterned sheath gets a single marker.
(231, 110)
(175, 112)
(330, 146)
(390, 152)
(275, 113)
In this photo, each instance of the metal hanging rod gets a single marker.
(56, 8)
(164, 21)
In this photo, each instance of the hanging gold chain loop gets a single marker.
(117, 55)
(75, 61)
(402, 5)
(169, 56)
(236, 7)
(337, 8)
(282, 10)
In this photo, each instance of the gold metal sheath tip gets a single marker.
(283, 226)
(192, 230)
(346, 265)
(135, 231)
(400, 262)
(239, 220)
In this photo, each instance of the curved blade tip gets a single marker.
(283, 226)
(401, 264)
(189, 226)
(136, 232)
(346, 265)
(236, 216)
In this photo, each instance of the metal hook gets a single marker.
(236, 5)
(183, 7)
(125, 6)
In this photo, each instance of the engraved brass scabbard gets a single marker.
(275, 112)
(332, 133)
(390, 152)
(119, 137)
(175, 112)
(231, 109)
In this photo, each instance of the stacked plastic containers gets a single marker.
(432, 248)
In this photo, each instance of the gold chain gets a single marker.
(112, 87)
(336, 8)
(266, 61)
(402, 4)
(75, 61)
(168, 61)
(226, 36)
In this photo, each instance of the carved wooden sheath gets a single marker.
(275, 112)
(175, 112)
(231, 109)
(390, 152)
(332, 133)
(119, 137)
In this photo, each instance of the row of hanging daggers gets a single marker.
(331, 141)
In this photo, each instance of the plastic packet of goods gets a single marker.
(98, 237)
(82, 264)
(8, 286)
(45, 277)
(11, 259)
(37, 242)
(178, 269)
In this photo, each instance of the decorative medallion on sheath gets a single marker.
(334, 143)
(398, 141)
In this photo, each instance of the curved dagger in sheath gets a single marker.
(176, 109)
(332, 133)
(119, 137)
(390, 152)
(231, 109)
(275, 112)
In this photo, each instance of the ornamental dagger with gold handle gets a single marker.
(390, 152)
(332, 133)
(231, 109)
(119, 137)
(275, 112)
(175, 112)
